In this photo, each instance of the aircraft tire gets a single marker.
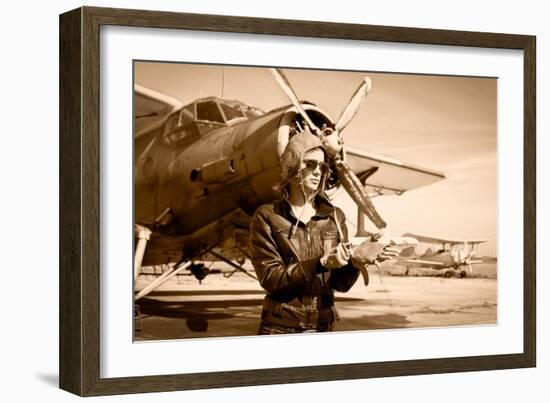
(463, 274)
(448, 274)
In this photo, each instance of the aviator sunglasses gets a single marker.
(311, 165)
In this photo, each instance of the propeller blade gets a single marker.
(353, 105)
(283, 82)
(333, 144)
(470, 268)
(357, 192)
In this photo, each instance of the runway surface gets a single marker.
(183, 308)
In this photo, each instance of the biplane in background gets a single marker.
(202, 169)
(451, 255)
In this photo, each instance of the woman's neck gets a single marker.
(302, 207)
(301, 204)
(297, 198)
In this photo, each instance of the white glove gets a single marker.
(336, 257)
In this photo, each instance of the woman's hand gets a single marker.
(336, 257)
(388, 253)
(370, 252)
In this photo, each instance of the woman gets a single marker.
(299, 246)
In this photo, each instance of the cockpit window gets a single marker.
(231, 111)
(209, 111)
(171, 123)
(187, 115)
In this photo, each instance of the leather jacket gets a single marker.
(300, 291)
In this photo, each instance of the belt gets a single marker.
(272, 305)
(306, 323)
(288, 315)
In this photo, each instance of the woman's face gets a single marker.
(313, 166)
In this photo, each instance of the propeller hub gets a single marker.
(332, 143)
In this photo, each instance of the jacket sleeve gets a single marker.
(274, 275)
(343, 278)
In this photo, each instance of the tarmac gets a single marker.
(219, 306)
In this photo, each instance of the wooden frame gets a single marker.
(79, 200)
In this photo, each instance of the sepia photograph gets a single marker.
(274, 201)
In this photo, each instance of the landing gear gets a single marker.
(138, 325)
(230, 263)
(455, 272)
(200, 271)
(142, 234)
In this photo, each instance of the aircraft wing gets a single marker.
(453, 241)
(426, 262)
(388, 175)
(151, 108)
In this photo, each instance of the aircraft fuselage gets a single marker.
(193, 183)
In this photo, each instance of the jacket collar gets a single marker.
(323, 208)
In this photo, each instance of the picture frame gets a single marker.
(80, 154)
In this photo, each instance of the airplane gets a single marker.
(449, 255)
(202, 169)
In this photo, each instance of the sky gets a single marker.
(443, 123)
